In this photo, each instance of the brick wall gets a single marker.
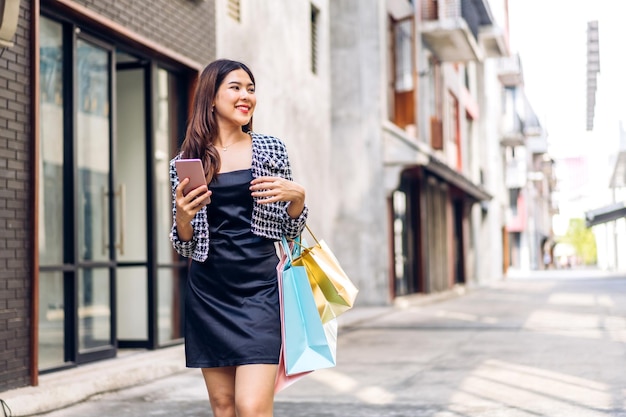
(185, 26)
(15, 207)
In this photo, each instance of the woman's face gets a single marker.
(235, 99)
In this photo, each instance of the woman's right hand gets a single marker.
(188, 205)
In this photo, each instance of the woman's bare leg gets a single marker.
(254, 390)
(220, 384)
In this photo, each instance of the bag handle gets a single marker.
(311, 232)
(291, 252)
(298, 241)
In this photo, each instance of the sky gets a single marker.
(551, 39)
(551, 36)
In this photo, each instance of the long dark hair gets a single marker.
(202, 129)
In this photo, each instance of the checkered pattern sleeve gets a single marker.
(269, 158)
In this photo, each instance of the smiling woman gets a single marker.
(232, 329)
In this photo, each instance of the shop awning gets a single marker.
(457, 179)
(605, 214)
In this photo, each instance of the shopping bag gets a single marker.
(333, 290)
(308, 345)
(282, 379)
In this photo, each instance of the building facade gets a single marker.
(530, 176)
(393, 112)
(419, 101)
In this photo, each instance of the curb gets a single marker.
(65, 388)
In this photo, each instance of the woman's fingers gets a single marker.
(272, 189)
(188, 205)
(181, 186)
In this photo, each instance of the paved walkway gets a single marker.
(552, 344)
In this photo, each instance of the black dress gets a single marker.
(232, 311)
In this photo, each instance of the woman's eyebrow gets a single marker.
(239, 83)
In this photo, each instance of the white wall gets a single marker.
(292, 102)
(490, 157)
(358, 98)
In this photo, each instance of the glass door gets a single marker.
(95, 202)
(133, 285)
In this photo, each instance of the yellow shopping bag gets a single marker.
(333, 290)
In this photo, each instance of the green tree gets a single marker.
(583, 240)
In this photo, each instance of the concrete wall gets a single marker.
(293, 103)
(359, 101)
(488, 223)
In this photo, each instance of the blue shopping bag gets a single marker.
(282, 379)
(308, 344)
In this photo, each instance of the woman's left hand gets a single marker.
(273, 189)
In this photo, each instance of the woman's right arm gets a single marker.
(181, 233)
(184, 210)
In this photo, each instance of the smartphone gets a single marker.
(192, 169)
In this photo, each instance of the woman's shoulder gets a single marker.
(267, 142)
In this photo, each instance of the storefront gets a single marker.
(110, 119)
(110, 86)
(431, 228)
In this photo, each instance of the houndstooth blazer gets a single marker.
(269, 158)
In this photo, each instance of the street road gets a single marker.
(552, 345)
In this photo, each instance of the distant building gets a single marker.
(609, 220)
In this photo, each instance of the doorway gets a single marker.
(458, 212)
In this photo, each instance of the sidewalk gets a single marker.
(132, 367)
(546, 343)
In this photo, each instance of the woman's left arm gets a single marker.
(274, 189)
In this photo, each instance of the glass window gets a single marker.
(92, 153)
(130, 166)
(164, 150)
(51, 320)
(403, 111)
(50, 234)
(404, 55)
(132, 303)
(94, 312)
(169, 309)
(168, 276)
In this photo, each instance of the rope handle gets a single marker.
(297, 240)
(309, 230)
